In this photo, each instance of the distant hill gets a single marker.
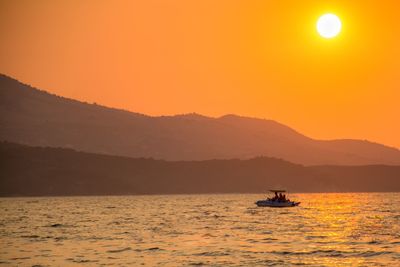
(33, 117)
(35, 171)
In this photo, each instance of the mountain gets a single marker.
(38, 171)
(34, 117)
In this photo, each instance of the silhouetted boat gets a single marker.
(277, 202)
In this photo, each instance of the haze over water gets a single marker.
(218, 230)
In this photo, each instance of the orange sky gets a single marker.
(254, 58)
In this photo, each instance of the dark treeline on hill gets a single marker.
(36, 118)
(35, 171)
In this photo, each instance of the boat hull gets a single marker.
(276, 204)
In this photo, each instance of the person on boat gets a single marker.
(275, 198)
(282, 198)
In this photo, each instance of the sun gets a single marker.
(329, 25)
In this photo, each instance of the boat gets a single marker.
(276, 201)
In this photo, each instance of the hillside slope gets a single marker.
(28, 171)
(33, 117)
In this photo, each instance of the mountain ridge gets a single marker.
(39, 171)
(35, 117)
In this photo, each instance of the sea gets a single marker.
(349, 229)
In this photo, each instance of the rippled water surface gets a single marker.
(217, 230)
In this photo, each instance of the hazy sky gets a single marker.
(255, 58)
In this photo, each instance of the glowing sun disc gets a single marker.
(329, 25)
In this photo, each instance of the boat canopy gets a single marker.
(277, 191)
